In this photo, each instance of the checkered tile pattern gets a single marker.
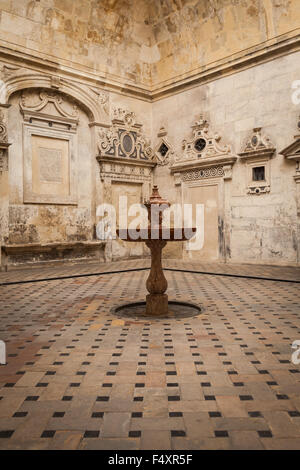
(80, 377)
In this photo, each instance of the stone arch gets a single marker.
(93, 101)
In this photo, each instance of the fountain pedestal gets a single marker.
(156, 239)
(156, 300)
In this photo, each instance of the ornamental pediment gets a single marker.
(292, 151)
(257, 146)
(203, 149)
(124, 139)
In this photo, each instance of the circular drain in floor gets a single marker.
(137, 310)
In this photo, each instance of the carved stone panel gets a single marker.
(256, 153)
(292, 153)
(124, 138)
(49, 167)
(3, 160)
(50, 147)
(203, 155)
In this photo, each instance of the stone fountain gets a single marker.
(156, 237)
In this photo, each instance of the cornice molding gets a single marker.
(270, 50)
(243, 60)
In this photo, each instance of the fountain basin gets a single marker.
(138, 310)
(168, 234)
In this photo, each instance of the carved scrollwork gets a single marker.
(205, 173)
(46, 97)
(3, 128)
(3, 160)
(257, 145)
(102, 99)
(204, 143)
(203, 156)
(124, 138)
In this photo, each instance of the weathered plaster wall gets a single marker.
(191, 35)
(262, 229)
(106, 36)
(146, 47)
(141, 41)
(42, 223)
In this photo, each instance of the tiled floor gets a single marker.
(80, 377)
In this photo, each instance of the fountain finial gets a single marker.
(156, 203)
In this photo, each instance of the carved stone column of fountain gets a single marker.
(156, 238)
(156, 300)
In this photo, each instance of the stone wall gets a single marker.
(106, 37)
(71, 72)
(191, 36)
(258, 228)
(150, 43)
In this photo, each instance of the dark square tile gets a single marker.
(173, 398)
(6, 434)
(221, 433)
(282, 397)
(91, 434)
(254, 414)
(48, 434)
(136, 415)
(134, 434)
(294, 414)
(20, 414)
(177, 433)
(32, 398)
(265, 433)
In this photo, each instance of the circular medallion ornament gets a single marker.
(200, 144)
(127, 143)
(254, 140)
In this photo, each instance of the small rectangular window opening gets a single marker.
(258, 173)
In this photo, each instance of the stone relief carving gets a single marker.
(124, 138)
(292, 153)
(164, 152)
(204, 143)
(102, 98)
(257, 151)
(3, 141)
(46, 97)
(3, 128)
(3, 160)
(124, 172)
(6, 70)
(257, 145)
(95, 101)
(205, 173)
(203, 155)
(124, 152)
